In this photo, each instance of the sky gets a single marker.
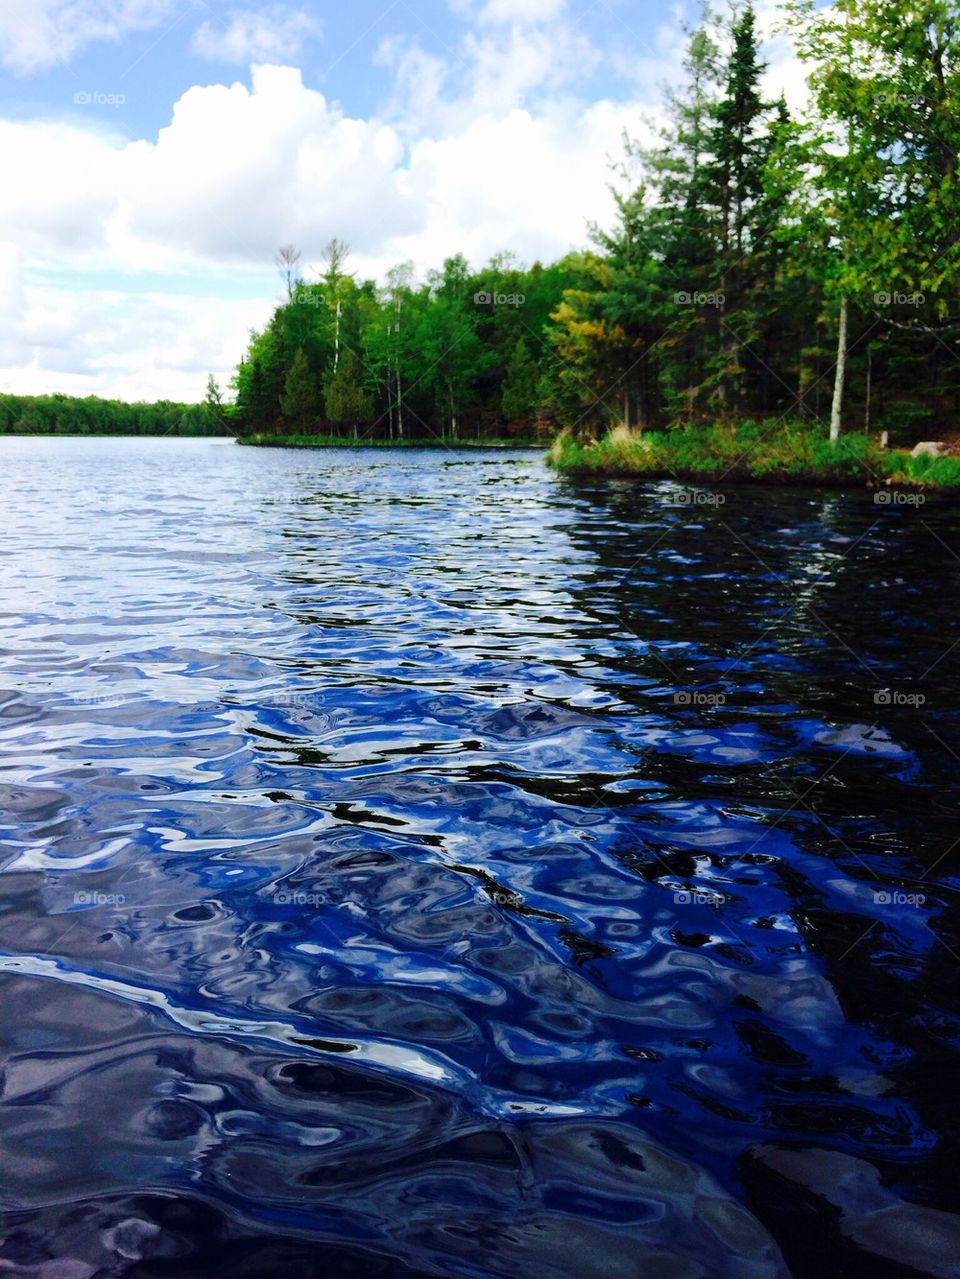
(156, 153)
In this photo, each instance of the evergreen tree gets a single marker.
(299, 401)
(734, 190)
(348, 402)
(519, 394)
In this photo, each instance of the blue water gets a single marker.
(417, 864)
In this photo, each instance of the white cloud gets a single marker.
(512, 12)
(68, 177)
(508, 69)
(239, 171)
(273, 34)
(487, 150)
(521, 181)
(139, 346)
(36, 34)
(785, 72)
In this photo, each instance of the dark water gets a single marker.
(415, 864)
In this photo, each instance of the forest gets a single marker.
(760, 267)
(72, 415)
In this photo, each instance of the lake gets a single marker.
(418, 864)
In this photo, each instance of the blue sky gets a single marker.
(156, 152)
(165, 47)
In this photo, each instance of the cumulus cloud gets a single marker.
(67, 178)
(240, 170)
(37, 34)
(273, 34)
(135, 346)
(485, 149)
(785, 72)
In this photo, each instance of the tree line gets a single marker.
(760, 266)
(72, 415)
(459, 355)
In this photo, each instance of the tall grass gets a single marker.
(782, 452)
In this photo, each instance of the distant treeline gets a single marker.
(760, 267)
(70, 415)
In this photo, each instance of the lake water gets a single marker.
(418, 864)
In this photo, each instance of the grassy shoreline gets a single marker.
(335, 442)
(799, 454)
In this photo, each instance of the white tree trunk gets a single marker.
(840, 373)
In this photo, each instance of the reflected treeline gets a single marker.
(827, 628)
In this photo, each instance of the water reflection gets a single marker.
(420, 866)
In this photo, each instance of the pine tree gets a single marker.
(735, 189)
(214, 408)
(680, 225)
(299, 402)
(519, 392)
(348, 402)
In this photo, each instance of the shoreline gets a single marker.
(787, 456)
(327, 442)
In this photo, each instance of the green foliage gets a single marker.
(348, 402)
(778, 452)
(759, 267)
(70, 415)
(519, 395)
(406, 361)
(299, 393)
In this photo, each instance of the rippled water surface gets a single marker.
(417, 864)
